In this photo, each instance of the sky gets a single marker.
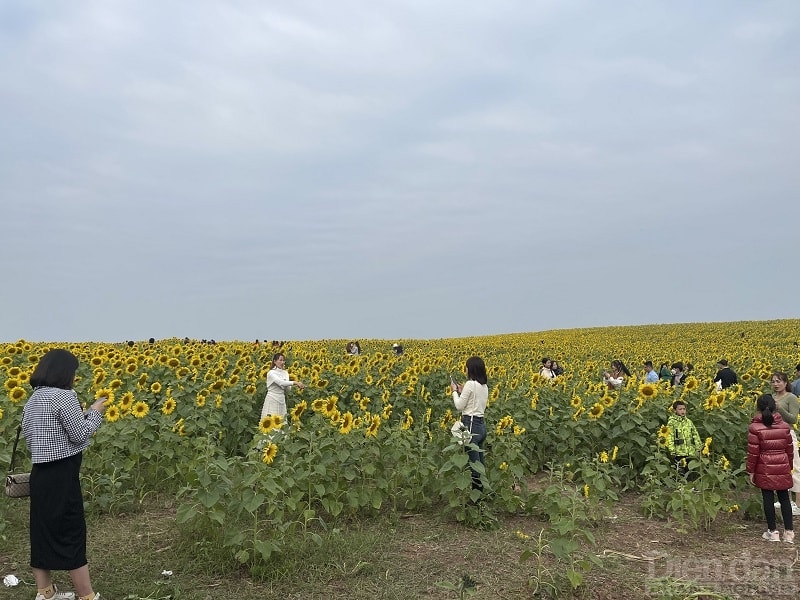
(241, 170)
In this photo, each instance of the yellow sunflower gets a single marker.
(169, 406)
(648, 391)
(596, 411)
(298, 411)
(140, 409)
(346, 423)
(372, 430)
(269, 453)
(16, 394)
(155, 387)
(112, 414)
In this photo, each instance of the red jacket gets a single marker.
(769, 453)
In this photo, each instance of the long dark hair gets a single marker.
(619, 365)
(476, 369)
(55, 369)
(276, 356)
(766, 406)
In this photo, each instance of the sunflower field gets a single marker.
(371, 433)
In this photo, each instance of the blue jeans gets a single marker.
(477, 427)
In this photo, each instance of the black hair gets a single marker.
(545, 360)
(678, 365)
(476, 369)
(766, 406)
(56, 369)
(620, 366)
(276, 356)
(678, 403)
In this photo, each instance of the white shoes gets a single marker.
(771, 536)
(57, 596)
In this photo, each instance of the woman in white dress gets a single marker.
(277, 383)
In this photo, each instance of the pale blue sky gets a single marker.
(388, 169)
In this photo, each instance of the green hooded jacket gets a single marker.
(683, 438)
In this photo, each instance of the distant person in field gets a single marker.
(787, 405)
(683, 442)
(769, 464)
(678, 373)
(397, 349)
(650, 375)
(277, 383)
(547, 369)
(725, 376)
(664, 373)
(353, 348)
(796, 382)
(616, 376)
(471, 399)
(556, 368)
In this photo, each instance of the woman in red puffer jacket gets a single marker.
(769, 462)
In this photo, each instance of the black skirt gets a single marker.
(58, 525)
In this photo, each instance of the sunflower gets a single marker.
(596, 411)
(575, 402)
(99, 376)
(218, 401)
(16, 394)
(115, 384)
(614, 453)
(322, 383)
(372, 430)
(126, 401)
(173, 363)
(131, 368)
(534, 401)
(518, 430)
(142, 380)
(603, 457)
(169, 406)
(269, 453)
(200, 400)
(1, 414)
(387, 412)
(691, 383)
(155, 387)
(265, 424)
(96, 361)
(648, 391)
(277, 421)
(346, 423)
(330, 405)
(318, 405)
(112, 414)
(298, 411)
(140, 409)
(707, 447)
(14, 371)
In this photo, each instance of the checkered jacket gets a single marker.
(55, 426)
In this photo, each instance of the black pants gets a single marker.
(768, 497)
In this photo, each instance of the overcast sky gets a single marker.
(395, 169)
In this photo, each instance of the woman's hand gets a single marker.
(300, 384)
(752, 478)
(99, 405)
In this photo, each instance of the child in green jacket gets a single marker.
(683, 442)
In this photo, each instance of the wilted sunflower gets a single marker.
(269, 453)
(169, 405)
(140, 409)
